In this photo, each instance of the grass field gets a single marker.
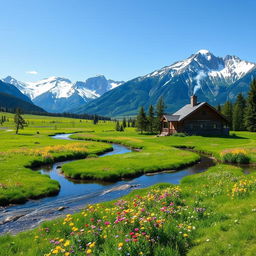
(33, 147)
(211, 213)
(161, 151)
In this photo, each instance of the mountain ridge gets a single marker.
(210, 77)
(58, 94)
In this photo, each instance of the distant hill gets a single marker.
(10, 103)
(213, 79)
(10, 89)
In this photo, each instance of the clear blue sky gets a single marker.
(121, 39)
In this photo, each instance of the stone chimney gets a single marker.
(193, 100)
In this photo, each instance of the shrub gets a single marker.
(237, 158)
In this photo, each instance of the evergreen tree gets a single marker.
(151, 119)
(141, 120)
(117, 126)
(250, 113)
(95, 119)
(124, 123)
(121, 128)
(19, 121)
(227, 111)
(219, 108)
(238, 113)
(160, 107)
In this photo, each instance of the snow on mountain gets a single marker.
(114, 84)
(230, 68)
(49, 92)
(214, 79)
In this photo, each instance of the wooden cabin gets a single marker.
(195, 119)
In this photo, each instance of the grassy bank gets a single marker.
(33, 147)
(153, 157)
(208, 214)
(161, 152)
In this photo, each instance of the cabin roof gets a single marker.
(172, 118)
(187, 110)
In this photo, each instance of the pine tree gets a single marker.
(151, 119)
(238, 113)
(124, 123)
(160, 107)
(19, 121)
(117, 126)
(250, 113)
(121, 128)
(95, 119)
(141, 120)
(227, 111)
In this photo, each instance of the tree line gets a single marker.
(242, 113)
(150, 122)
(120, 126)
(65, 114)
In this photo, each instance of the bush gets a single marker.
(237, 158)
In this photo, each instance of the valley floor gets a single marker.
(210, 213)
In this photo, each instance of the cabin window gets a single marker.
(214, 126)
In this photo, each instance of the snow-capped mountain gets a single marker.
(56, 94)
(213, 79)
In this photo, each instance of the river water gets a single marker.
(74, 195)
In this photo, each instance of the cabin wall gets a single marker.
(205, 121)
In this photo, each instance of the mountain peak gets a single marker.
(203, 52)
(9, 79)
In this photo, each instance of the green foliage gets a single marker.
(124, 124)
(19, 121)
(142, 121)
(151, 119)
(95, 119)
(119, 128)
(160, 108)
(227, 111)
(236, 158)
(250, 114)
(238, 113)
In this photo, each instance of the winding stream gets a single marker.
(74, 195)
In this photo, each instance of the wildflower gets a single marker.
(67, 243)
(120, 245)
(92, 245)
(89, 251)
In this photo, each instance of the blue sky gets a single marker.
(121, 39)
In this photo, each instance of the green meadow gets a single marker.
(211, 213)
